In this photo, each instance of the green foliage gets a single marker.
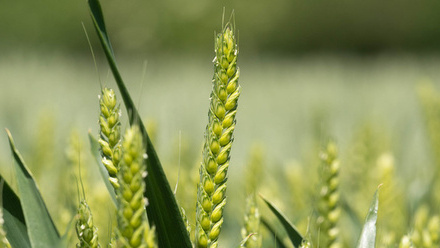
(163, 211)
(370, 159)
(40, 226)
(368, 234)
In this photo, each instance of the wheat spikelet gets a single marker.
(110, 133)
(211, 197)
(426, 229)
(150, 237)
(86, 232)
(329, 209)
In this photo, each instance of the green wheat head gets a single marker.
(329, 209)
(211, 197)
(251, 229)
(86, 232)
(426, 231)
(131, 215)
(110, 134)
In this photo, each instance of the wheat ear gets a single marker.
(86, 232)
(251, 227)
(329, 210)
(131, 215)
(110, 134)
(218, 140)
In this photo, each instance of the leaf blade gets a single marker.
(367, 239)
(163, 211)
(15, 224)
(291, 230)
(40, 226)
(271, 229)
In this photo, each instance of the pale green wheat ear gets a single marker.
(110, 133)
(86, 232)
(329, 209)
(131, 217)
(211, 197)
(426, 231)
(251, 229)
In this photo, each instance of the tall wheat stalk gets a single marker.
(211, 197)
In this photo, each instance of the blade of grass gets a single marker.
(94, 148)
(368, 234)
(15, 224)
(271, 229)
(41, 229)
(162, 211)
(291, 230)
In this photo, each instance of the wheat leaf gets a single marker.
(163, 211)
(40, 226)
(15, 224)
(368, 234)
(271, 229)
(291, 230)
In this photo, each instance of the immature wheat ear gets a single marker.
(211, 198)
(110, 134)
(133, 229)
(87, 233)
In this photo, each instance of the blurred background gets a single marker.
(310, 71)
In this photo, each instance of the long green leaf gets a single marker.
(15, 224)
(271, 229)
(291, 230)
(94, 148)
(162, 211)
(41, 229)
(368, 234)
